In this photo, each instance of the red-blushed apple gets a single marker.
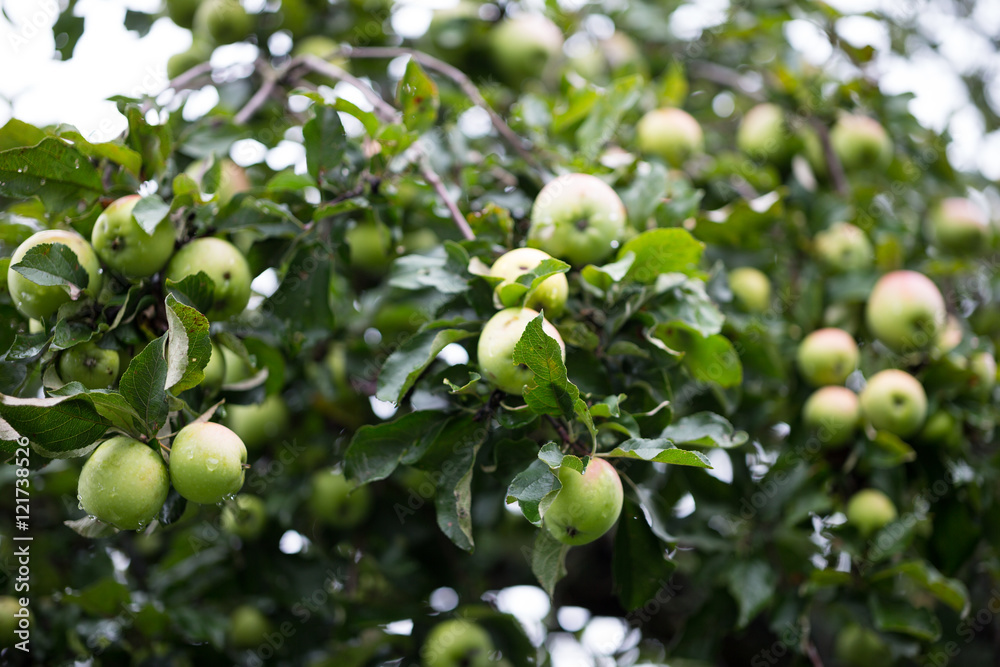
(40, 301)
(670, 134)
(905, 311)
(894, 401)
(827, 356)
(125, 246)
(958, 225)
(587, 505)
(457, 643)
(861, 143)
(869, 510)
(751, 289)
(245, 517)
(337, 501)
(833, 414)
(90, 365)
(523, 46)
(496, 348)
(206, 462)
(550, 295)
(124, 483)
(221, 261)
(844, 248)
(763, 134)
(578, 218)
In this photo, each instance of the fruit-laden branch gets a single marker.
(467, 86)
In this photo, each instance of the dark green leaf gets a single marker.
(60, 426)
(752, 584)
(661, 450)
(641, 569)
(548, 560)
(901, 616)
(54, 264)
(662, 251)
(418, 97)
(52, 170)
(412, 358)
(376, 450)
(188, 346)
(143, 384)
(530, 487)
(704, 428)
(325, 142)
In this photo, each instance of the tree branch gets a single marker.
(435, 181)
(383, 109)
(833, 165)
(258, 99)
(725, 76)
(813, 654)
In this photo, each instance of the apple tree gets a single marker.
(504, 333)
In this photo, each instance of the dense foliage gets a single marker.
(744, 415)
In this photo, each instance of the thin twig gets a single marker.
(435, 181)
(467, 86)
(813, 654)
(258, 99)
(382, 108)
(184, 81)
(833, 164)
(726, 77)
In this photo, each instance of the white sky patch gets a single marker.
(382, 409)
(529, 605)
(806, 38)
(246, 152)
(444, 599)
(292, 542)
(604, 635)
(722, 465)
(572, 619)
(861, 31)
(404, 627)
(454, 354)
(266, 283)
(685, 506)
(410, 20)
(689, 20)
(566, 651)
(475, 122)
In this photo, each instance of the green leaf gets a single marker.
(411, 359)
(660, 450)
(67, 31)
(469, 387)
(143, 384)
(27, 347)
(109, 404)
(197, 290)
(606, 115)
(376, 450)
(742, 224)
(418, 97)
(417, 272)
(952, 592)
(645, 193)
(16, 133)
(712, 359)
(302, 300)
(462, 438)
(549, 392)
(530, 487)
(640, 567)
(661, 251)
(108, 150)
(188, 346)
(63, 426)
(752, 584)
(674, 88)
(900, 616)
(689, 304)
(888, 450)
(548, 560)
(54, 171)
(706, 429)
(149, 212)
(54, 264)
(514, 293)
(325, 142)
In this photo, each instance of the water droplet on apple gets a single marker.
(212, 463)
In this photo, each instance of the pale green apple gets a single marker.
(905, 311)
(337, 501)
(587, 505)
(833, 414)
(844, 248)
(124, 483)
(671, 134)
(90, 365)
(260, 423)
(125, 246)
(225, 21)
(949, 337)
(861, 143)
(869, 510)
(751, 289)
(14, 618)
(958, 225)
(827, 356)
(40, 301)
(215, 369)
(894, 401)
(860, 647)
(248, 628)
(206, 462)
(245, 517)
(221, 261)
(984, 368)
(522, 46)
(457, 643)
(496, 348)
(550, 295)
(578, 218)
(763, 134)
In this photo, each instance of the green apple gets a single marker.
(123, 483)
(125, 246)
(457, 643)
(894, 401)
(827, 356)
(587, 505)
(206, 462)
(957, 225)
(236, 368)
(13, 617)
(578, 218)
(860, 647)
(245, 517)
(496, 348)
(233, 178)
(224, 264)
(763, 134)
(833, 414)
(370, 243)
(861, 143)
(550, 295)
(751, 289)
(90, 365)
(939, 429)
(225, 21)
(41, 301)
(199, 52)
(984, 369)
(337, 501)
(844, 248)
(869, 510)
(215, 369)
(182, 12)
(671, 134)
(258, 424)
(905, 311)
(523, 46)
(248, 628)
(949, 337)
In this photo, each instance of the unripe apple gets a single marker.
(551, 293)
(125, 246)
(578, 218)
(860, 647)
(123, 483)
(369, 243)
(905, 311)
(827, 356)
(248, 628)
(221, 261)
(957, 225)
(225, 21)
(763, 134)
(751, 289)
(199, 52)
(41, 301)
(88, 364)
(894, 401)
(984, 369)
(522, 46)
(939, 429)
(244, 518)
(233, 178)
(182, 12)
(587, 505)
(11, 620)
(215, 369)
(337, 501)
(844, 248)
(457, 643)
(949, 337)
(236, 368)
(861, 143)
(869, 510)
(496, 348)
(671, 134)
(258, 424)
(206, 462)
(833, 414)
